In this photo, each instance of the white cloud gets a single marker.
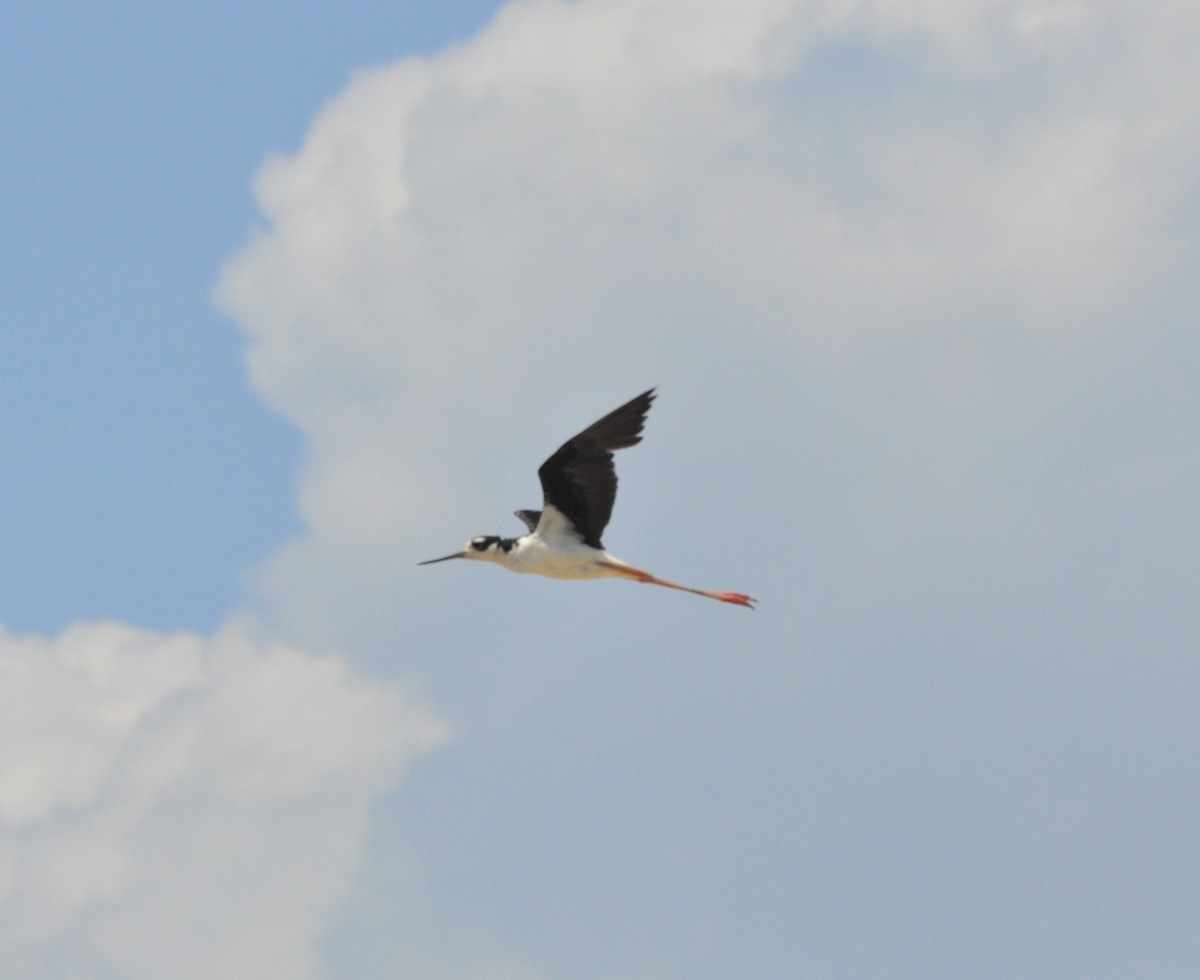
(889, 263)
(604, 195)
(173, 806)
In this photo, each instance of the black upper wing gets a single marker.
(580, 481)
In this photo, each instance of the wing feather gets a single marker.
(580, 480)
(530, 517)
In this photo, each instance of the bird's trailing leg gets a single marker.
(736, 598)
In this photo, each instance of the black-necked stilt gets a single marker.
(579, 485)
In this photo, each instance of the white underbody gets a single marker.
(554, 549)
(534, 555)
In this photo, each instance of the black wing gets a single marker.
(530, 517)
(580, 481)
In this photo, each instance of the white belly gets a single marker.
(566, 559)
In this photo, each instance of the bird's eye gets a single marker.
(479, 544)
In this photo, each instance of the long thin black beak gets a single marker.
(434, 561)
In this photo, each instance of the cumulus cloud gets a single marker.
(175, 806)
(604, 195)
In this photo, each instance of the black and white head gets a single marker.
(485, 547)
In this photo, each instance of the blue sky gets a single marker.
(145, 477)
(298, 298)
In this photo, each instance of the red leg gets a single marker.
(735, 598)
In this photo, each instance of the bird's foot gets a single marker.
(737, 598)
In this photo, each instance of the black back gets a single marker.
(580, 481)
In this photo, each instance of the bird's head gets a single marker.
(483, 548)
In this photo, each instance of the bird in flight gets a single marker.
(579, 485)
